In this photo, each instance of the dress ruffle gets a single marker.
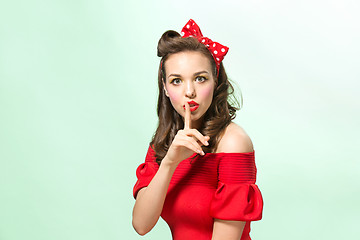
(145, 172)
(237, 197)
(237, 201)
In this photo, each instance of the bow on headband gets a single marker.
(218, 51)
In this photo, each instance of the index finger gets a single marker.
(187, 124)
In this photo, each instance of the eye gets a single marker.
(201, 78)
(175, 81)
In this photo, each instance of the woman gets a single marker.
(199, 172)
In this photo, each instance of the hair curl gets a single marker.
(216, 118)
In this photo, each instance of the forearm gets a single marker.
(150, 200)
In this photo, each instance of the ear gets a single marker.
(166, 93)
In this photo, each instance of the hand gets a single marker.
(186, 141)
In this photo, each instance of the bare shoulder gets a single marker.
(235, 139)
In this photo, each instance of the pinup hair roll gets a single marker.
(171, 42)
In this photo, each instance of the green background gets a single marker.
(78, 93)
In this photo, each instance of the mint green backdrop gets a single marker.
(78, 108)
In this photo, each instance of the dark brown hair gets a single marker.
(216, 118)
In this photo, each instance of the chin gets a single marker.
(194, 116)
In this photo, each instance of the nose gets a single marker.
(190, 90)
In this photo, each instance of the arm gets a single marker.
(150, 200)
(227, 230)
(235, 140)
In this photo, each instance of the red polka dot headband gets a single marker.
(218, 51)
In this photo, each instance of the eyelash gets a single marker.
(204, 79)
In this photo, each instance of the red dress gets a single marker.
(216, 185)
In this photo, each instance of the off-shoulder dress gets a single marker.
(216, 185)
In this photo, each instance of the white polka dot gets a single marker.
(182, 33)
(223, 49)
(203, 41)
(215, 52)
(218, 59)
(214, 45)
(188, 26)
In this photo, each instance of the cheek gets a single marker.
(206, 92)
(174, 97)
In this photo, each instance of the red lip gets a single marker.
(192, 103)
(192, 108)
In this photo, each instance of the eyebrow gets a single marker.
(178, 75)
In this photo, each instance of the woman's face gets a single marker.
(189, 78)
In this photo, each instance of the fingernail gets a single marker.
(202, 152)
(206, 143)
